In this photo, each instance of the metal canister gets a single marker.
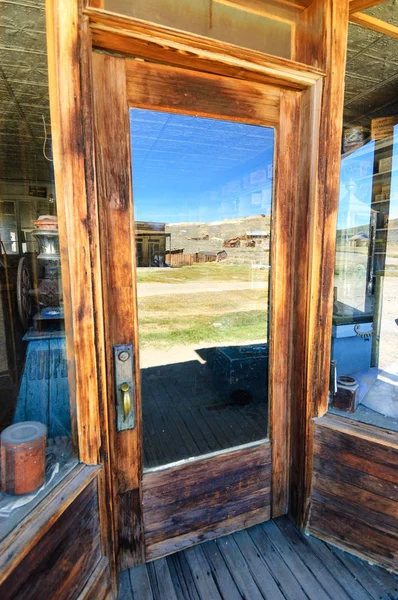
(23, 457)
(347, 395)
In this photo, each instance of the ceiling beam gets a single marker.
(358, 5)
(374, 24)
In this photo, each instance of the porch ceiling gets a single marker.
(371, 83)
(24, 99)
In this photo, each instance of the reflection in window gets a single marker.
(35, 422)
(202, 201)
(365, 315)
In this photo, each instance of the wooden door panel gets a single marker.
(206, 498)
(176, 506)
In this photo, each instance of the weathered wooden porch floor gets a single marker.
(186, 413)
(271, 561)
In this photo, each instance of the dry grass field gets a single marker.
(193, 311)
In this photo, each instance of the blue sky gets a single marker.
(356, 181)
(188, 168)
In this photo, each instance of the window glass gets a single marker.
(365, 313)
(202, 202)
(35, 420)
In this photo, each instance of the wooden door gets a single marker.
(208, 452)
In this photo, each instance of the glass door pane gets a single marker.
(202, 202)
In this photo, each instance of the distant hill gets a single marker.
(392, 235)
(210, 237)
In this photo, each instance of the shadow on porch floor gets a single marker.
(271, 561)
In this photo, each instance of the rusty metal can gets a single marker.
(347, 395)
(23, 457)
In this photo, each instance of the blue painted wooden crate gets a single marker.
(43, 395)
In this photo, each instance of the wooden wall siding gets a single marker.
(311, 379)
(99, 586)
(150, 85)
(354, 501)
(163, 44)
(206, 498)
(62, 546)
(113, 166)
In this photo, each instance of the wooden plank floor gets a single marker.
(188, 411)
(272, 561)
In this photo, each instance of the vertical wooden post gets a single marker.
(113, 164)
(282, 307)
(314, 326)
(70, 184)
(69, 62)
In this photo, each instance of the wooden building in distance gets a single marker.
(177, 431)
(152, 243)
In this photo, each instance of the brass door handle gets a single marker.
(125, 389)
(123, 362)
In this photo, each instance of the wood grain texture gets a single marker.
(354, 501)
(76, 167)
(105, 481)
(374, 24)
(206, 498)
(283, 10)
(116, 226)
(66, 104)
(200, 94)
(99, 586)
(29, 531)
(272, 560)
(358, 5)
(156, 86)
(163, 44)
(300, 430)
(310, 38)
(55, 553)
(318, 246)
(281, 302)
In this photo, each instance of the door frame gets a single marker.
(122, 83)
(74, 30)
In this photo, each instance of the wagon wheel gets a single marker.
(24, 284)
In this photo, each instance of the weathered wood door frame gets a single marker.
(73, 30)
(120, 83)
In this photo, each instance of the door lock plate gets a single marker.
(123, 360)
